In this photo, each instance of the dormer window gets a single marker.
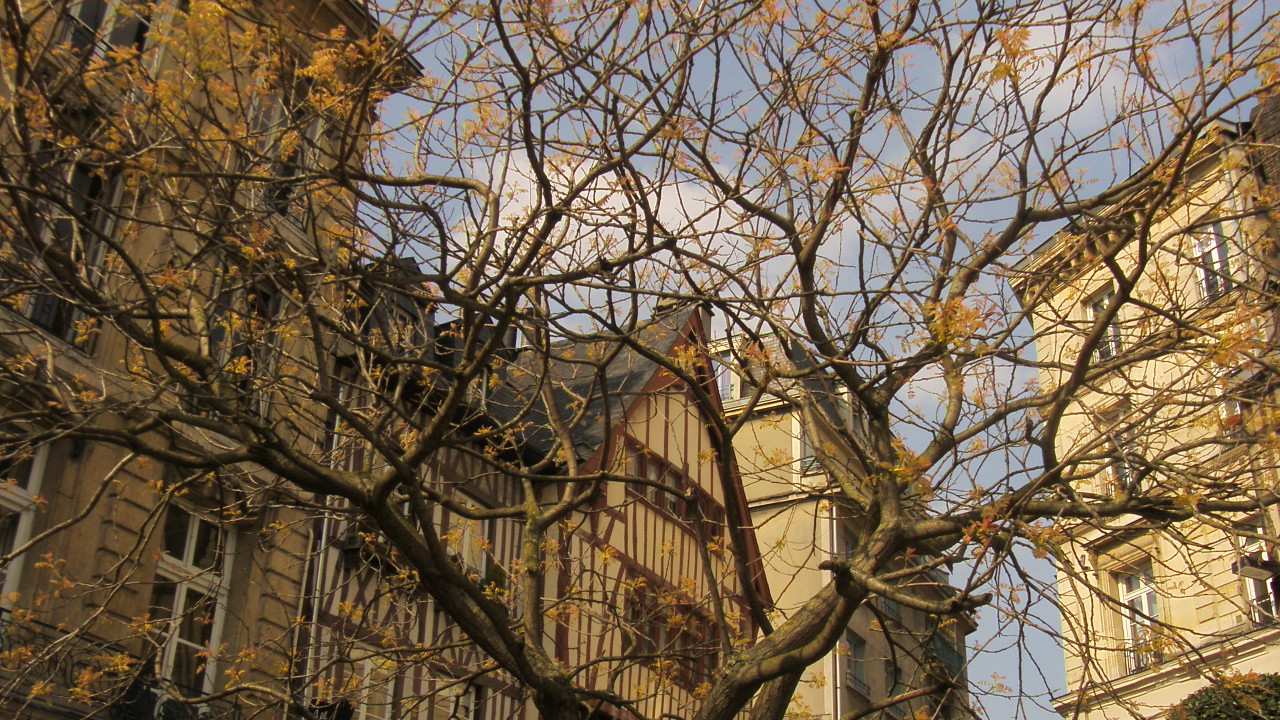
(729, 381)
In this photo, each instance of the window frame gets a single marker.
(808, 457)
(644, 464)
(1213, 260)
(1136, 630)
(856, 659)
(232, 336)
(1262, 596)
(1121, 468)
(185, 577)
(467, 544)
(730, 383)
(460, 701)
(275, 115)
(75, 225)
(379, 699)
(20, 501)
(1110, 344)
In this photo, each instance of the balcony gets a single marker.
(45, 668)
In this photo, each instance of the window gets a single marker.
(376, 692)
(1109, 345)
(21, 478)
(99, 25)
(243, 335)
(729, 381)
(808, 458)
(348, 449)
(460, 702)
(710, 518)
(891, 608)
(946, 653)
(1124, 465)
(665, 625)
(189, 597)
(471, 542)
(855, 674)
(893, 684)
(666, 484)
(1239, 394)
(1213, 258)
(1257, 569)
(1138, 595)
(287, 131)
(73, 235)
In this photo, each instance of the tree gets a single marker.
(1242, 697)
(197, 195)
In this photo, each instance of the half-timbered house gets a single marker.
(642, 592)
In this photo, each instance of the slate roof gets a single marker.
(607, 374)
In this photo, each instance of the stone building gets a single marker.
(137, 580)
(888, 650)
(1164, 297)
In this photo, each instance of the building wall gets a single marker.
(798, 527)
(1157, 423)
(82, 607)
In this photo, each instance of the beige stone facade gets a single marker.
(1150, 612)
(131, 584)
(888, 649)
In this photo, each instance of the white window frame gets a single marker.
(1137, 594)
(461, 702)
(20, 503)
(1213, 261)
(377, 700)
(730, 383)
(185, 577)
(1110, 344)
(1262, 595)
(808, 463)
(270, 120)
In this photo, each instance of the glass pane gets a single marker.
(8, 534)
(91, 12)
(187, 671)
(196, 625)
(17, 471)
(162, 598)
(205, 552)
(176, 524)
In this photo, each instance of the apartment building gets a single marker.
(150, 141)
(888, 650)
(1156, 314)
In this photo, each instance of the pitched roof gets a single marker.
(605, 375)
